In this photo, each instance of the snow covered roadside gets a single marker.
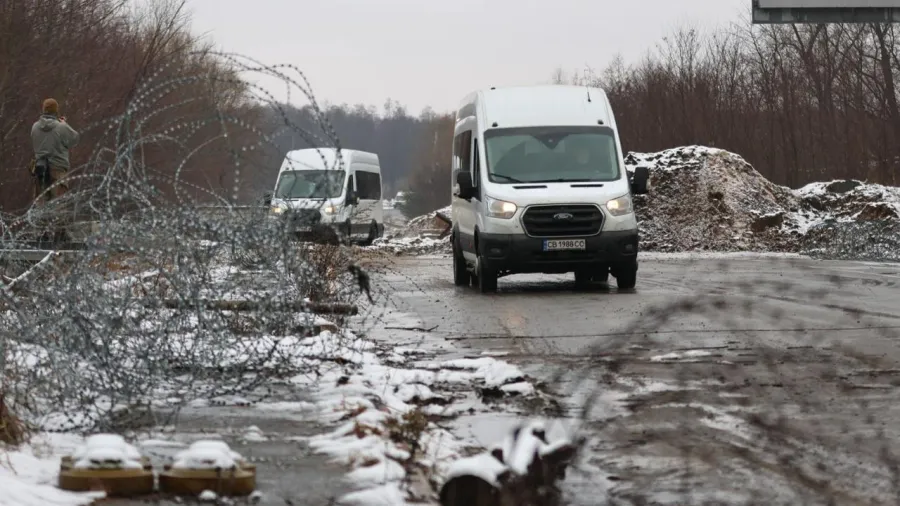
(388, 405)
(28, 475)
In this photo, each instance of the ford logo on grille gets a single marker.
(563, 216)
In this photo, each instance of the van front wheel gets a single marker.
(487, 279)
(461, 276)
(626, 275)
(373, 234)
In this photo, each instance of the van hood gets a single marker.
(526, 194)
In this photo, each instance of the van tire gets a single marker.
(583, 278)
(461, 275)
(626, 276)
(373, 234)
(487, 279)
(348, 232)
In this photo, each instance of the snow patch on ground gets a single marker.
(385, 435)
(28, 476)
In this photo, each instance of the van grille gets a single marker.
(543, 221)
(303, 217)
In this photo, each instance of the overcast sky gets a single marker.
(432, 52)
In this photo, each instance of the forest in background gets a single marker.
(800, 103)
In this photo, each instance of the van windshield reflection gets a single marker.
(551, 155)
(310, 184)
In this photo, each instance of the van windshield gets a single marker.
(551, 155)
(310, 184)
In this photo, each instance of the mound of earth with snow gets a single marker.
(422, 235)
(709, 199)
(857, 220)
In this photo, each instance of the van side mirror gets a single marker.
(267, 199)
(464, 182)
(352, 197)
(639, 180)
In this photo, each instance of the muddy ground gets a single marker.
(745, 380)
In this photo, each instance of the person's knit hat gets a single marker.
(51, 106)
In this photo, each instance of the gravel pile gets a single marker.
(704, 199)
(422, 235)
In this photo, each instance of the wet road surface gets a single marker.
(751, 378)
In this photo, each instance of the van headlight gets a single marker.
(500, 208)
(620, 206)
(330, 209)
(278, 209)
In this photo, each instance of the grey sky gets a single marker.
(432, 52)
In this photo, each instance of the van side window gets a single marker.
(350, 184)
(376, 186)
(476, 169)
(369, 185)
(465, 151)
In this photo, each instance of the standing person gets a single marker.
(52, 138)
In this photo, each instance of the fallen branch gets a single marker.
(255, 305)
(446, 220)
(526, 469)
(416, 329)
(9, 286)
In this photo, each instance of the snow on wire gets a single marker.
(121, 331)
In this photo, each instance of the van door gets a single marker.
(464, 211)
(369, 191)
(351, 205)
(372, 198)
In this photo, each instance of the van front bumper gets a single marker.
(516, 253)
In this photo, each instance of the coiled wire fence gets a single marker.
(168, 290)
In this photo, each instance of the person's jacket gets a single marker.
(53, 138)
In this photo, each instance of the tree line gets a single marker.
(156, 104)
(801, 103)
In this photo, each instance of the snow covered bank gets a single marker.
(422, 235)
(28, 475)
(389, 434)
(709, 199)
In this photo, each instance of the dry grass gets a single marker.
(13, 431)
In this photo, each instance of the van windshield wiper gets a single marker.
(565, 181)
(510, 179)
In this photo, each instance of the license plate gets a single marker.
(564, 244)
(304, 229)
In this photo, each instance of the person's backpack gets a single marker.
(41, 172)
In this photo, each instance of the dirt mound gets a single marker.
(852, 200)
(709, 199)
(422, 235)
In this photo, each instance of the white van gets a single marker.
(539, 185)
(317, 194)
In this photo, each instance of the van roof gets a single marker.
(551, 105)
(325, 158)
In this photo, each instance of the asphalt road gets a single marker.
(741, 380)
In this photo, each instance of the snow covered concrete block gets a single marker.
(208, 465)
(524, 469)
(107, 462)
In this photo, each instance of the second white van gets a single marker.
(323, 192)
(540, 186)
